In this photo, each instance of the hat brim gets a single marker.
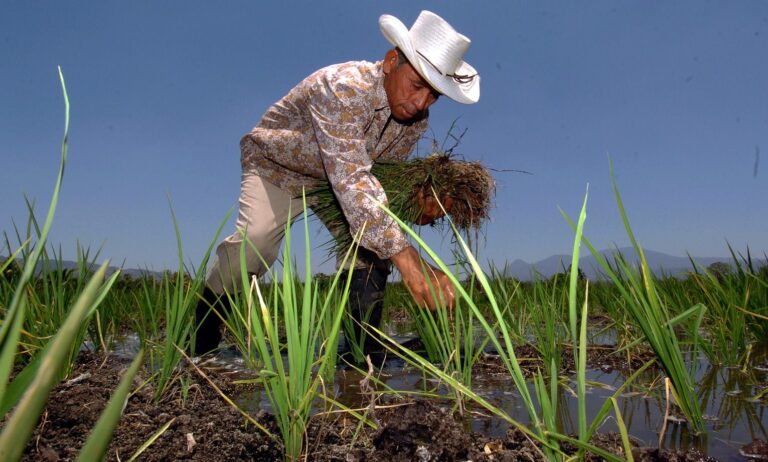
(397, 34)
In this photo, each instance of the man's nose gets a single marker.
(423, 101)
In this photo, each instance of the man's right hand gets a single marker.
(413, 269)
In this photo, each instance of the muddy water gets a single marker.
(728, 395)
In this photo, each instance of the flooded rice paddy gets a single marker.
(733, 398)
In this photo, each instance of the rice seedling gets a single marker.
(148, 300)
(546, 321)
(237, 321)
(180, 297)
(355, 337)
(296, 310)
(733, 298)
(510, 295)
(643, 303)
(467, 185)
(450, 341)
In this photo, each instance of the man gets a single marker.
(332, 127)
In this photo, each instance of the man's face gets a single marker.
(408, 94)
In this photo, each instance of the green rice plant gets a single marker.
(180, 297)
(652, 318)
(149, 300)
(237, 322)
(115, 313)
(51, 290)
(511, 296)
(578, 338)
(546, 308)
(732, 298)
(608, 302)
(551, 347)
(16, 311)
(293, 369)
(450, 341)
(355, 337)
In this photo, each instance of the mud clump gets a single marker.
(667, 455)
(420, 431)
(756, 450)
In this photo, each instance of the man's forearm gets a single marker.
(407, 262)
(428, 286)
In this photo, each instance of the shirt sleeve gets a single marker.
(338, 115)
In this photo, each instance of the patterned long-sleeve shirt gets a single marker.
(332, 127)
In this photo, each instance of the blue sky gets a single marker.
(161, 92)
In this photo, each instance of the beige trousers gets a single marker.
(263, 214)
(264, 211)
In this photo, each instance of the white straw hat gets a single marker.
(436, 52)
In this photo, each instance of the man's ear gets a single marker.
(390, 61)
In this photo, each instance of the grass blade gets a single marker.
(622, 431)
(151, 440)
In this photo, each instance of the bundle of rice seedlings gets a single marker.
(469, 185)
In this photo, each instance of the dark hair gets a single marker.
(401, 58)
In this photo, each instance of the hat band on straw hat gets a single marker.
(459, 78)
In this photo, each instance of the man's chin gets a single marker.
(408, 119)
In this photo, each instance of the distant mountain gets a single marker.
(660, 263)
(72, 265)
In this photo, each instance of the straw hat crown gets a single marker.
(436, 51)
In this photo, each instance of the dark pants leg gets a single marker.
(366, 301)
(209, 323)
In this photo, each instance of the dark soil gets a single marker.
(217, 431)
(205, 428)
(602, 357)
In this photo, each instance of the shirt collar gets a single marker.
(380, 101)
